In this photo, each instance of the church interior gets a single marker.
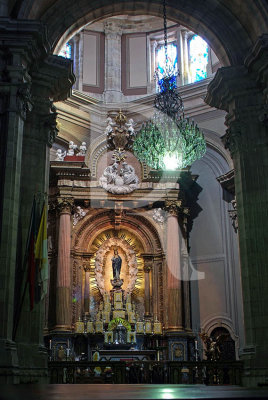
(133, 203)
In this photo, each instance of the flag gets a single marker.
(41, 254)
(30, 247)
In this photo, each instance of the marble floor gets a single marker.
(118, 392)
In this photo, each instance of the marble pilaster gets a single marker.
(113, 35)
(242, 92)
(15, 104)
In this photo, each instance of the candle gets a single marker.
(50, 344)
(195, 345)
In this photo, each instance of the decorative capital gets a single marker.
(148, 268)
(112, 29)
(173, 206)
(148, 262)
(65, 205)
(86, 267)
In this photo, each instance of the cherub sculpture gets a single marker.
(60, 155)
(72, 148)
(83, 149)
(109, 127)
(130, 127)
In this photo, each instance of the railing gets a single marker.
(169, 372)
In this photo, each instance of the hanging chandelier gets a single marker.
(168, 140)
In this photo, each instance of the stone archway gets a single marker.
(222, 25)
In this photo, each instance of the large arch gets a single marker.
(224, 24)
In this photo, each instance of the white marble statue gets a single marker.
(122, 182)
(109, 127)
(78, 215)
(110, 173)
(83, 149)
(130, 127)
(60, 155)
(128, 174)
(72, 148)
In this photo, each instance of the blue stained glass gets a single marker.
(172, 64)
(66, 51)
(198, 58)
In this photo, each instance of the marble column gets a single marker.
(242, 92)
(75, 46)
(174, 283)
(185, 52)
(113, 35)
(63, 291)
(180, 79)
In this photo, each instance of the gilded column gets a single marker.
(174, 286)
(87, 288)
(148, 264)
(63, 291)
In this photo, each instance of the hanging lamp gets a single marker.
(168, 140)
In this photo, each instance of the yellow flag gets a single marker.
(41, 254)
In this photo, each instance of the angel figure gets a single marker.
(83, 149)
(130, 127)
(72, 148)
(109, 127)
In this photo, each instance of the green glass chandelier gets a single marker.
(168, 140)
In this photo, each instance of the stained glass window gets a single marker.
(66, 51)
(198, 51)
(172, 59)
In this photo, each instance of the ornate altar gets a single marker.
(119, 225)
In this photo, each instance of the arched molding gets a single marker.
(221, 28)
(215, 160)
(97, 149)
(90, 227)
(215, 142)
